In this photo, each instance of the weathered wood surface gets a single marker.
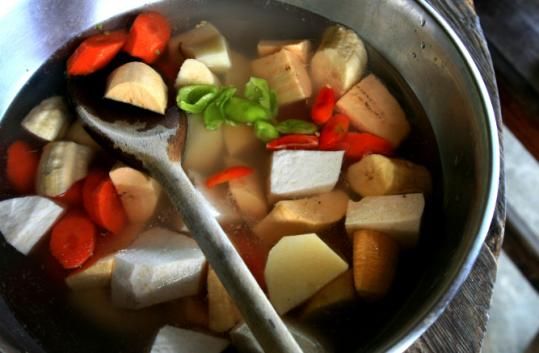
(462, 326)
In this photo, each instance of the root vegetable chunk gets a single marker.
(206, 44)
(340, 290)
(176, 340)
(372, 108)
(304, 173)
(397, 215)
(286, 75)
(76, 133)
(48, 120)
(379, 175)
(298, 266)
(203, 147)
(159, 266)
(138, 84)
(223, 313)
(194, 72)
(375, 262)
(138, 192)
(301, 48)
(340, 61)
(311, 214)
(25, 220)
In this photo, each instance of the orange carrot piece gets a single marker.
(148, 36)
(73, 240)
(73, 196)
(107, 207)
(228, 174)
(95, 52)
(21, 168)
(91, 182)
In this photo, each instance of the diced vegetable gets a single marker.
(97, 271)
(258, 90)
(397, 215)
(73, 240)
(340, 290)
(286, 75)
(371, 108)
(48, 120)
(228, 174)
(378, 175)
(90, 184)
(304, 173)
(207, 45)
(223, 313)
(159, 266)
(203, 147)
(340, 60)
(334, 132)
(177, 340)
(293, 142)
(139, 193)
(265, 131)
(76, 133)
(301, 48)
(73, 196)
(358, 144)
(25, 220)
(105, 207)
(21, 167)
(194, 72)
(323, 105)
(62, 164)
(138, 84)
(240, 140)
(240, 71)
(148, 36)
(195, 98)
(95, 52)
(244, 111)
(298, 266)
(215, 115)
(296, 126)
(375, 262)
(311, 214)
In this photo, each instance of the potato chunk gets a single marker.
(311, 214)
(298, 266)
(372, 108)
(301, 48)
(286, 74)
(397, 215)
(49, 119)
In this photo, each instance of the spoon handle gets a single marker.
(257, 311)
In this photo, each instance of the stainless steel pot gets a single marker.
(410, 35)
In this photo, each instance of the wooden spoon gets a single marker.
(157, 142)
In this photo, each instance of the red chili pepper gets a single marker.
(334, 132)
(227, 175)
(356, 145)
(293, 142)
(323, 105)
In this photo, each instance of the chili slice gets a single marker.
(323, 105)
(228, 174)
(293, 142)
(334, 132)
(357, 145)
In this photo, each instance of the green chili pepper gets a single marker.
(214, 114)
(265, 130)
(195, 98)
(295, 126)
(241, 110)
(258, 90)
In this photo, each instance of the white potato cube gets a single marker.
(396, 215)
(159, 266)
(304, 173)
(176, 340)
(25, 220)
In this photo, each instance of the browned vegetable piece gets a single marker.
(223, 314)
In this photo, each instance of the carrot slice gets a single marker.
(107, 207)
(148, 36)
(21, 168)
(95, 52)
(228, 174)
(73, 240)
(91, 182)
(73, 196)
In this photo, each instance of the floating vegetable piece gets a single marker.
(76, 133)
(358, 144)
(322, 108)
(62, 164)
(375, 262)
(223, 313)
(148, 36)
(293, 142)
(138, 84)
(228, 174)
(195, 98)
(373, 109)
(25, 220)
(340, 61)
(106, 208)
(194, 72)
(48, 120)
(265, 131)
(334, 132)
(241, 110)
(301, 48)
(22, 163)
(95, 52)
(214, 115)
(379, 175)
(296, 126)
(258, 90)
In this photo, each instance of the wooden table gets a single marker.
(463, 325)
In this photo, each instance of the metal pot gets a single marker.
(409, 37)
